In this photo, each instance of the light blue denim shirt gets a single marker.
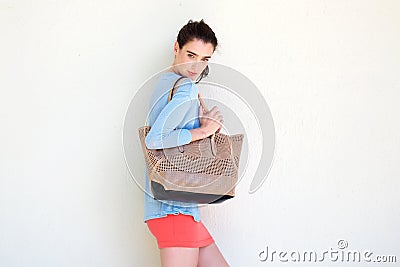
(170, 124)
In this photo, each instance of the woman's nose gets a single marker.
(198, 64)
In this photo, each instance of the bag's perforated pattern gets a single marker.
(196, 160)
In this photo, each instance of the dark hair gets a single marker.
(197, 30)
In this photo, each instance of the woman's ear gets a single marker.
(176, 47)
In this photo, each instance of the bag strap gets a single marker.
(212, 137)
(176, 86)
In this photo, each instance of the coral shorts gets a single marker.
(179, 231)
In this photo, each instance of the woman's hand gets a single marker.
(211, 121)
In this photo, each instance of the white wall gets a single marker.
(328, 69)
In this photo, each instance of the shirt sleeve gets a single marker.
(164, 133)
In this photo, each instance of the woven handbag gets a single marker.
(203, 171)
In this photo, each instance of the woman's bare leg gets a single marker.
(179, 257)
(211, 256)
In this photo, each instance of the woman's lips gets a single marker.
(192, 73)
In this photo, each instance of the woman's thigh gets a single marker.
(179, 256)
(211, 256)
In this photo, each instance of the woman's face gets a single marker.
(192, 59)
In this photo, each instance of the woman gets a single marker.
(181, 236)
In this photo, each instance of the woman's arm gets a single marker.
(199, 133)
(163, 132)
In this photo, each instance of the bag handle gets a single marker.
(176, 86)
(212, 137)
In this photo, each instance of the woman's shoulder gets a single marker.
(186, 85)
